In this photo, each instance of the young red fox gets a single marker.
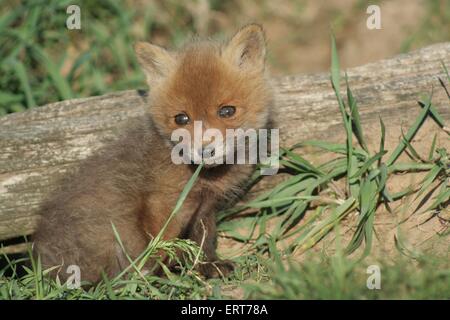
(134, 184)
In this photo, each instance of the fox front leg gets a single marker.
(204, 233)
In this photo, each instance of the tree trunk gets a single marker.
(40, 145)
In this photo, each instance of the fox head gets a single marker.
(216, 85)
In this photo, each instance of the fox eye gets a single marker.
(181, 119)
(226, 111)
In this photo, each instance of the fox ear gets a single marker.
(247, 48)
(154, 60)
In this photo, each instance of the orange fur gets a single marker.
(133, 182)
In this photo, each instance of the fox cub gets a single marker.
(133, 183)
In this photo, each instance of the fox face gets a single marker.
(215, 86)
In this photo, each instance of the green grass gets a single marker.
(267, 270)
(41, 61)
(335, 277)
(319, 276)
(366, 175)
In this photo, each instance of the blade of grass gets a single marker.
(25, 82)
(432, 148)
(59, 81)
(410, 134)
(356, 120)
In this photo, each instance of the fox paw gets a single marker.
(216, 269)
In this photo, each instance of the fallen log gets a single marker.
(40, 145)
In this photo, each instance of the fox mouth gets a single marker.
(212, 165)
(210, 159)
(210, 162)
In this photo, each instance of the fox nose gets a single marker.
(207, 152)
